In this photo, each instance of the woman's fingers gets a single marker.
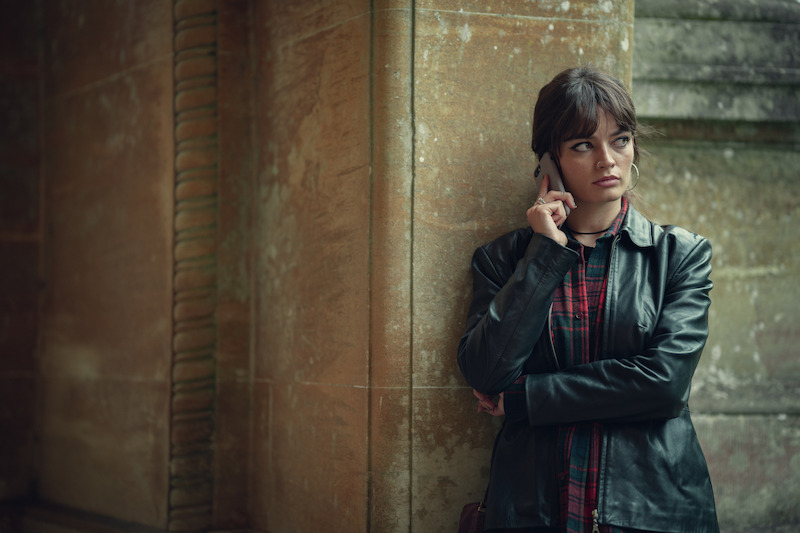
(546, 219)
(567, 198)
(549, 196)
(544, 187)
(548, 213)
(485, 402)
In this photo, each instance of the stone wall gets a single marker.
(391, 142)
(259, 218)
(144, 347)
(105, 343)
(720, 80)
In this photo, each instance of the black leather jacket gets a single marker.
(653, 475)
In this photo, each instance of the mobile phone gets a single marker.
(547, 166)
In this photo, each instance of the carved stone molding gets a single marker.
(195, 259)
(730, 61)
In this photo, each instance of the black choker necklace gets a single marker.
(588, 232)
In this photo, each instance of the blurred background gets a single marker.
(235, 240)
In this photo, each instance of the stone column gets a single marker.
(477, 69)
(393, 138)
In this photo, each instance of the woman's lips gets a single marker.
(607, 181)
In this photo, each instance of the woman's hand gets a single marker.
(547, 216)
(487, 405)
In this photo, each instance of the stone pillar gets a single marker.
(392, 141)
(477, 69)
(311, 366)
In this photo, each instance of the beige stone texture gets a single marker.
(748, 366)
(314, 184)
(391, 264)
(452, 448)
(390, 459)
(391, 200)
(477, 71)
(725, 167)
(313, 471)
(251, 224)
(312, 266)
(754, 463)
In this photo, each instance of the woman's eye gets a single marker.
(582, 147)
(622, 141)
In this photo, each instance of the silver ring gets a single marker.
(541, 201)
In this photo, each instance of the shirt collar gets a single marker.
(615, 226)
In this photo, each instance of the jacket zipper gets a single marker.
(595, 513)
(550, 337)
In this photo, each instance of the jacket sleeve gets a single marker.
(650, 385)
(509, 309)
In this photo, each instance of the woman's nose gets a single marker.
(605, 158)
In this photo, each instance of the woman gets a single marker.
(589, 327)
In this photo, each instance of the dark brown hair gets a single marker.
(568, 108)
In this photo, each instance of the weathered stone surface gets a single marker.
(110, 207)
(313, 471)
(720, 78)
(477, 71)
(313, 213)
(391, 263)
(312, 269)
(390, 450)
(333, 184)
(452, 448)
(735, 10)
(89, 42)
(104, 447)
(728, 60)
(720, 191)
(754, 463)
(105, 346)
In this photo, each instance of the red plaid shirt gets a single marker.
(577, 322)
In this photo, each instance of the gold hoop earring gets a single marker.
(638, 176)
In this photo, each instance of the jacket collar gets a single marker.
(638, 229)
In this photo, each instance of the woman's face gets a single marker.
(597, 169)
